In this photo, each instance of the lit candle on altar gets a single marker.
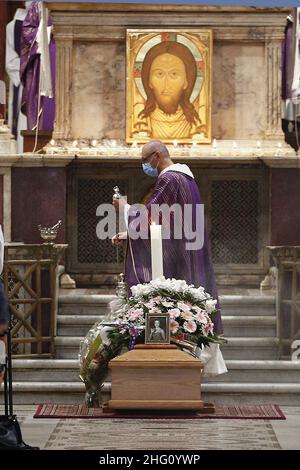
(156, 251)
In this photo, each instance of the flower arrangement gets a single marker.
(191, 313)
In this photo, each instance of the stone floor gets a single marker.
(146, 434)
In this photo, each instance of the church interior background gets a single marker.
(248, 174)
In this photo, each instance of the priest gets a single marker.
(175, 184)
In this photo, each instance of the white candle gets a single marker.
(156, 251)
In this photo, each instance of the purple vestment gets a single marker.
(30, 73)
(193, 266)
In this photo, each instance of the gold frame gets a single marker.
(135, 40)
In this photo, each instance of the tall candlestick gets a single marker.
(156, 251)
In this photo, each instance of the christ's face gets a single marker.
(156, 324)
(168, 81)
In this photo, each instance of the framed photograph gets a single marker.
(169, 85)
(157, 329)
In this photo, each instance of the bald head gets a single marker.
(156, 154)
(155, 146)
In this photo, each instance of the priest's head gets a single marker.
(169, 74)
(155, 157)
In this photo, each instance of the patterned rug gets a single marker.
(52, 410)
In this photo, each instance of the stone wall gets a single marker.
(91, 59)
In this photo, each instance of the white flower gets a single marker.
(210, 305)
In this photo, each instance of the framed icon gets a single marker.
(169, 85)
(157, 329)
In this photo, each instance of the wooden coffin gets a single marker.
(156, 377)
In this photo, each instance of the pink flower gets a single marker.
(190, 326)
(168, 304)
(154, 310)
(174, 312)
(156, 299)
(174, 326)
(150, 304)
(184, 306)
(187, 315)
(134, 314)
(208, 329)
(201, 317)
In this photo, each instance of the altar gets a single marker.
(245, 171)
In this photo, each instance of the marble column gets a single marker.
(64, 76)
(273, 64)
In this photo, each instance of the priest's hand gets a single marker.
(119, 239)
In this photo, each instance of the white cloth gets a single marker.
(296, 75)
(180, 168)
(43, 40)
(12, 64)
(1, 249)
(2, 92)
(212, 359)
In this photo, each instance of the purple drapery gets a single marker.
(30, 73)
(193, 266)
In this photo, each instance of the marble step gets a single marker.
(75, 325)
(250, 348)
(84, 304)
(78, 325)
(237, 348)
(221, 393)
(240, 371)
(97, 304)
(257, 371)
(248, 305)
(249, 326)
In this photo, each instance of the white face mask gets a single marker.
(27, 4)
